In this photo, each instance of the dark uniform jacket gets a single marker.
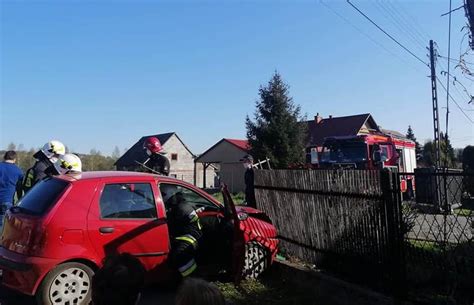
(183, 220)
(249, 188)
(37, 172)
(159, 163)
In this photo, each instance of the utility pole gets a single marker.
(434, 95)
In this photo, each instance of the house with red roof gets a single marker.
(225, 156)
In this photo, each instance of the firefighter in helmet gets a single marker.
(69, 164)
(157, 161)
(46, 157)
(185, 229)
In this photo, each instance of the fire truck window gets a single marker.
(401, 160)
(384, 153)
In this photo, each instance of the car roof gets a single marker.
(99, 175)
(108, 174)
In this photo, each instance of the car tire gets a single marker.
(67, 284)
(256, 260)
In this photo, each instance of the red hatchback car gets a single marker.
(60, 232)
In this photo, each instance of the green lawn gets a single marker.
(238, 198)
(266, 291)
(464, 212)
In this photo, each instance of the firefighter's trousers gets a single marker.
(182, 255)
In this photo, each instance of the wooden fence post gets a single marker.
(392, 204)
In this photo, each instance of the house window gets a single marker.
(174, 157)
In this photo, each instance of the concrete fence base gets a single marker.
(329, 290)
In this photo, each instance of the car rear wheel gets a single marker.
(256, 260)
(67, 284)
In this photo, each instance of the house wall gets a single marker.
(183, 168)
(232, 174)
(226, 157)
(210, 176)
(224, 152)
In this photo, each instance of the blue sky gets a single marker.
(96, 74)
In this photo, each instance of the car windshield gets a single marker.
(344, 152)
(42, 196)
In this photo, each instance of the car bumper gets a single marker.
(23, 273)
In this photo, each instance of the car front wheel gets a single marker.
(256, 260)
(67, 284)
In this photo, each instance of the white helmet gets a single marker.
(53, 148)
(69, 163)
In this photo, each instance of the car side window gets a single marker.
(127, 200)
(170, 192)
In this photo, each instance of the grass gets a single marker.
(464, 212)
(266, 291)
(428, 246)
(238, 198)
(440, 275)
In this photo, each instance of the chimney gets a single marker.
(318, 118)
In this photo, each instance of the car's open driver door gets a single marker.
(238, 247)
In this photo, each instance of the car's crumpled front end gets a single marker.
(258, 227)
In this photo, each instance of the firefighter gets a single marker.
(249, 181)
(185, 230)
(46, 157)
(157, 161)
(69, 164)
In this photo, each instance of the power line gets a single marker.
(412, 27)
(390, 36)
(413, 21)
(409, 30)
(389, 15)
(451, 11)
(465, 91)
(454, 60)
(454, 101)
(366, 35)
(456, 81)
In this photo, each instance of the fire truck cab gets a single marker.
(370, 152)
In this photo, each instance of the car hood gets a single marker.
(248, 210)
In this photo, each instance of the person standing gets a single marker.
(45, 159)
(11, 177)
(249, 181)
(157, 162)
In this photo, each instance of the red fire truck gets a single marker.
(370, 151)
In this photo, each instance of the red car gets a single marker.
(60, 232)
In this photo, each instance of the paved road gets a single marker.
(431, 227)
(150, 297)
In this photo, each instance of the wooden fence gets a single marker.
(345, 221)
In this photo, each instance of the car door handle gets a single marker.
(106, 230)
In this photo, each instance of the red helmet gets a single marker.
(153, 145)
